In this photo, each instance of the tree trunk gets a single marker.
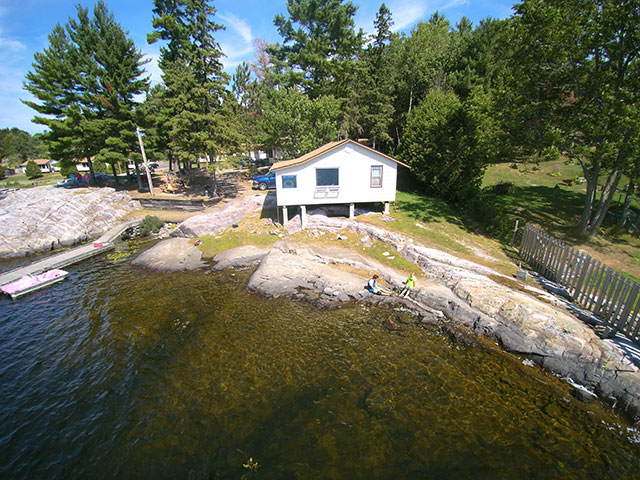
(410, 98)
(622, 219)
(592, 186)
(92, 174)
(605, 201)
(139, 177)
(214, 179)
(115, 174)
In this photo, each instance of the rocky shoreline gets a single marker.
(450, 292)
(46, 218)
(453, 290)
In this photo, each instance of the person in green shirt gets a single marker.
(409, 285)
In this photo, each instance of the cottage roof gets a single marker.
(38, 161)
(328, 147)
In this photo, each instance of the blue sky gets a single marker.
(25, 25)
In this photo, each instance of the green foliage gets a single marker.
(32, 170)
(84, 84)
(199, 112)
(67, 168)
(18, 146)
(501, 188)
(441, 146)
(297, 124)
(577, 78)
(150, 224)
(319, 48)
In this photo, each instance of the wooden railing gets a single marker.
(610, 295)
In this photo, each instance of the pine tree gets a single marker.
(377, 81)
(32, 170)
(85, 82)
(203, 122)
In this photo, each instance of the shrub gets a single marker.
(501, 188)
(67, 169)
(149, 224)
(32, 171)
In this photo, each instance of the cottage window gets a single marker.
(326, 177)
(376, 176)
(289, 181)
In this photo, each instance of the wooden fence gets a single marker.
(593, 285)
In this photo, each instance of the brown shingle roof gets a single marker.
(324, 149)
(39, 161)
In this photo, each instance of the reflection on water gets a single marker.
(121, 372)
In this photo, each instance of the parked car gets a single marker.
(262, 182)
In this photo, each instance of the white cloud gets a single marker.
(406, 12)
(11, 44)
(236, 42)
(240, 26)
(453, 4)
(152, 68)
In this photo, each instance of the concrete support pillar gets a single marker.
(303, 216)
(285, 215)
(352, 211)
(386, 208)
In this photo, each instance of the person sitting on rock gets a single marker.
(373, 287)
(409, 285)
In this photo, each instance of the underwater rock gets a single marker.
(171, 255)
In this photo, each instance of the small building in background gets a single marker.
(46, 165)
(343, 172)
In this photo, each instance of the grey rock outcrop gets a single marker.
(43, 218)
(240, 257)
(171, 255)
(461, 290)
(211, 222)
(520, 323)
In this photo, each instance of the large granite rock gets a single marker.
(171, 255)
(43, 218)
(209, 223)
(458, 289)
(520, 323)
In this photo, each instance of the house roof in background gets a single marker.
(38, 161)
(328, 147)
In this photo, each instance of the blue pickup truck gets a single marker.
(262, 182)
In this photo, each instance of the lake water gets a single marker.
(121, 372)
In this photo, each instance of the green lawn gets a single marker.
(21, 180)
(534, 198)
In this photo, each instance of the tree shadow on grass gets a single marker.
(424, 208)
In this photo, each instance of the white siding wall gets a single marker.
(354, 164)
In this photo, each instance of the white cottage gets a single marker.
(343, 172)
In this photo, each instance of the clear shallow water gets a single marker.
(121, 372)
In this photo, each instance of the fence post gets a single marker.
(515, 230)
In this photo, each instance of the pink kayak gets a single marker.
(29, 283)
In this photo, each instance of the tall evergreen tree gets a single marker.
(84, 83)
(377, 81)
(578, 77)
(203, 122)
(320, 46)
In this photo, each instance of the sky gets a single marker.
(26, 24)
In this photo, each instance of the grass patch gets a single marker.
(535, 199)
(212, 245)
(21, 180)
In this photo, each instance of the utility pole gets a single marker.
(144, 159)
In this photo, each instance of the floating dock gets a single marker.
(69, 257)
